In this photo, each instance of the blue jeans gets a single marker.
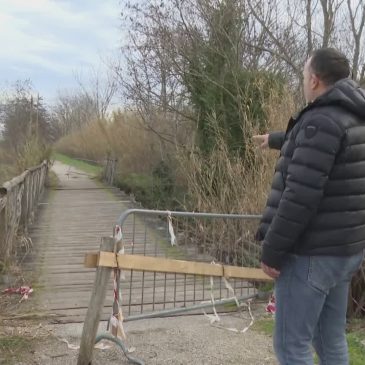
(311, 303)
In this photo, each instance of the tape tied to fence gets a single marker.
(99, 346)
(171, 229)
(213, 318)
(115, 324)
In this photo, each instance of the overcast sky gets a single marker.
(49, 40)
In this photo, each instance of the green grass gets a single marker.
(80, 165)
(354, 338)
(357, 325)
(266, 287)
(14, 348)
(265, 326)
(140, 185)
(356, 348)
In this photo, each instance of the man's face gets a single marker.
(310, 82)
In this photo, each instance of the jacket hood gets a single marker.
(347, 94)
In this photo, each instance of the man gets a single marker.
(313, 226)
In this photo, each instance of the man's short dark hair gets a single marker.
(329, 65)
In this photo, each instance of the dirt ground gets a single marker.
(180, 340)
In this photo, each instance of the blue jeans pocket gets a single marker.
(325, 272)
(319, 275)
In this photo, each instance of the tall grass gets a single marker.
(221, 182)
(136, 149)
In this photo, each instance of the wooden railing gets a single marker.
(18, 202)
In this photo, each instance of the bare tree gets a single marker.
(99, 86)
(357, 22)
(24, 117)
(330, 9)
(166, 38)
(72, 111)
(89, 103)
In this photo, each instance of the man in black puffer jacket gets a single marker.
(313, 226)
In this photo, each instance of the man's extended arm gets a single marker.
(272, 140)
(276, 140)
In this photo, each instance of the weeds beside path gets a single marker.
(355, 337)
(78, 164)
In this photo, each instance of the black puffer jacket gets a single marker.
(317, 201)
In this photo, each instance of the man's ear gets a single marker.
(314, 81)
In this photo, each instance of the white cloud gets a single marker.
(53, 9)
(57, 36)
(17, 35)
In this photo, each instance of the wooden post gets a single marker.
(3, 201)
(106, 168)
(37, 121)
(32, 197)
(24, 217)
(112, 173)
(95, 306)
(31, 117)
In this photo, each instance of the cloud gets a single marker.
(56, 36)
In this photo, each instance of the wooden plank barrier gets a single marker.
(163, 265)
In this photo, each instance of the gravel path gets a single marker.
(179, 341)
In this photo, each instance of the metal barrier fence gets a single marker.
(166, 254)
(202, 237)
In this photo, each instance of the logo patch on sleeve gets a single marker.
(310, 131)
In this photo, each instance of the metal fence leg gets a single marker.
(120, 343)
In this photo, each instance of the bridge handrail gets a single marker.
(18, 201)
